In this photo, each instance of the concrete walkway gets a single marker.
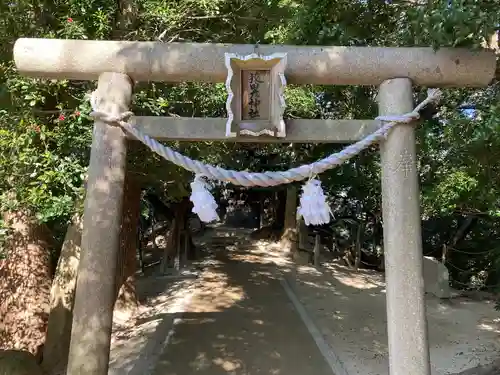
(239, 321)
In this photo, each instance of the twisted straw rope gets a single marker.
(263, 179)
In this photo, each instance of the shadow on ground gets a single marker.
(234, 319)
(350, 309)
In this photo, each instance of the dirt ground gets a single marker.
(349, 308)
(236, 319)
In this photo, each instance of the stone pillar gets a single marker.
(407, 323)
(95, 288)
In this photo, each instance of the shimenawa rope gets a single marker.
(313, 202)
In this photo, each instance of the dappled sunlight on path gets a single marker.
(239, 321)
(349, 307)
(236, 319)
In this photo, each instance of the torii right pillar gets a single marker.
(406, 316)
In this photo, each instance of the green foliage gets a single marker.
(43, 154)
(45, 132)
(455, 23)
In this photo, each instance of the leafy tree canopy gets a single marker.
(45, 131)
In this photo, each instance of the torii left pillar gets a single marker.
(95, 288)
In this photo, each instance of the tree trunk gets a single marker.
(191, 250)
(303, 234)
(178, 225)
(262, 208)
(280, 211)
(25, 281)
(359, 237)
(126, 301)
(126, 16)
(289, 237)
(256, 212)
(56, 349)
(461, 232)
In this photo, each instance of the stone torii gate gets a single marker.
(117, 65)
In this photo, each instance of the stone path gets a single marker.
(239, 321)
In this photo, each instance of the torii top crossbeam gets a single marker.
(178, 62)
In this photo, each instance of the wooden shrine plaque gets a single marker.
(256, 95)
(255, 101)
